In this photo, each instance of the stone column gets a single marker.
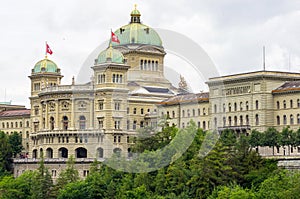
(46, 116)
(91, 113)
(41, 117)
(56, 127)
(72, 125)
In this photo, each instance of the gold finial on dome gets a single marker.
(135, 5)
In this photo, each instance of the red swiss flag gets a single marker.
(48, 49)
(114, 38)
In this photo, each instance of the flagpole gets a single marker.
(110, 43)
(46, 50)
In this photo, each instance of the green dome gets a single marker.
(110, 55)
(45, 65)
(137, 33)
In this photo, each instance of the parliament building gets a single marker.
(128, 91)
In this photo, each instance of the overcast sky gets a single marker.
(232, 32)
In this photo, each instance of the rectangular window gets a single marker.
(117, 106)
(100, 124)
(117, 124)
(101, 78)
(101, 105)
(37, 86)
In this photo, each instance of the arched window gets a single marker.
(241, 106)
(291, 103)
(229, 107)
(194, 114)
(141, 64)
(199, 112)
(188, 113)
(82, 122)
(247, 106)
(224, 121)
(134, 125)
(49, 153)
(256, 104)
(34, 153)
(291, 119)
(129, 152)
(229, 121)
(298, 103)
(298, 119)
(235, 120)
(63, 152)
(204, 112)
(215, 121)
(100, 152)
(284, 104)
(241, 120)
(204, 125)
(247, 120)
(173, 114)
(117, 152)
(183, 115)
(156, 66)
(235, 106)
(224, 108)
(52, 123)
(65, 123)
(278, 120)
(215, 108)
(81, 152)
(256, 119)
(153, 66)
(284, 120)
(278, 104)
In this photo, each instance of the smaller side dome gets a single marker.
(45, 65)
(110, 55)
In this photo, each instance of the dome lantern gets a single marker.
(135, 15)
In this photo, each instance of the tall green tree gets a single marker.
(42, 182)
(15, 141)
(5, 154)
(271, 138)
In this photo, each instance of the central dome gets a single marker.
(137, 33)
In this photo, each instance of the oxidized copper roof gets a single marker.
(288, 87)
(12, 113)
(187, 98)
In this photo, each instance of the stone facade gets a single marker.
(128, 91)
